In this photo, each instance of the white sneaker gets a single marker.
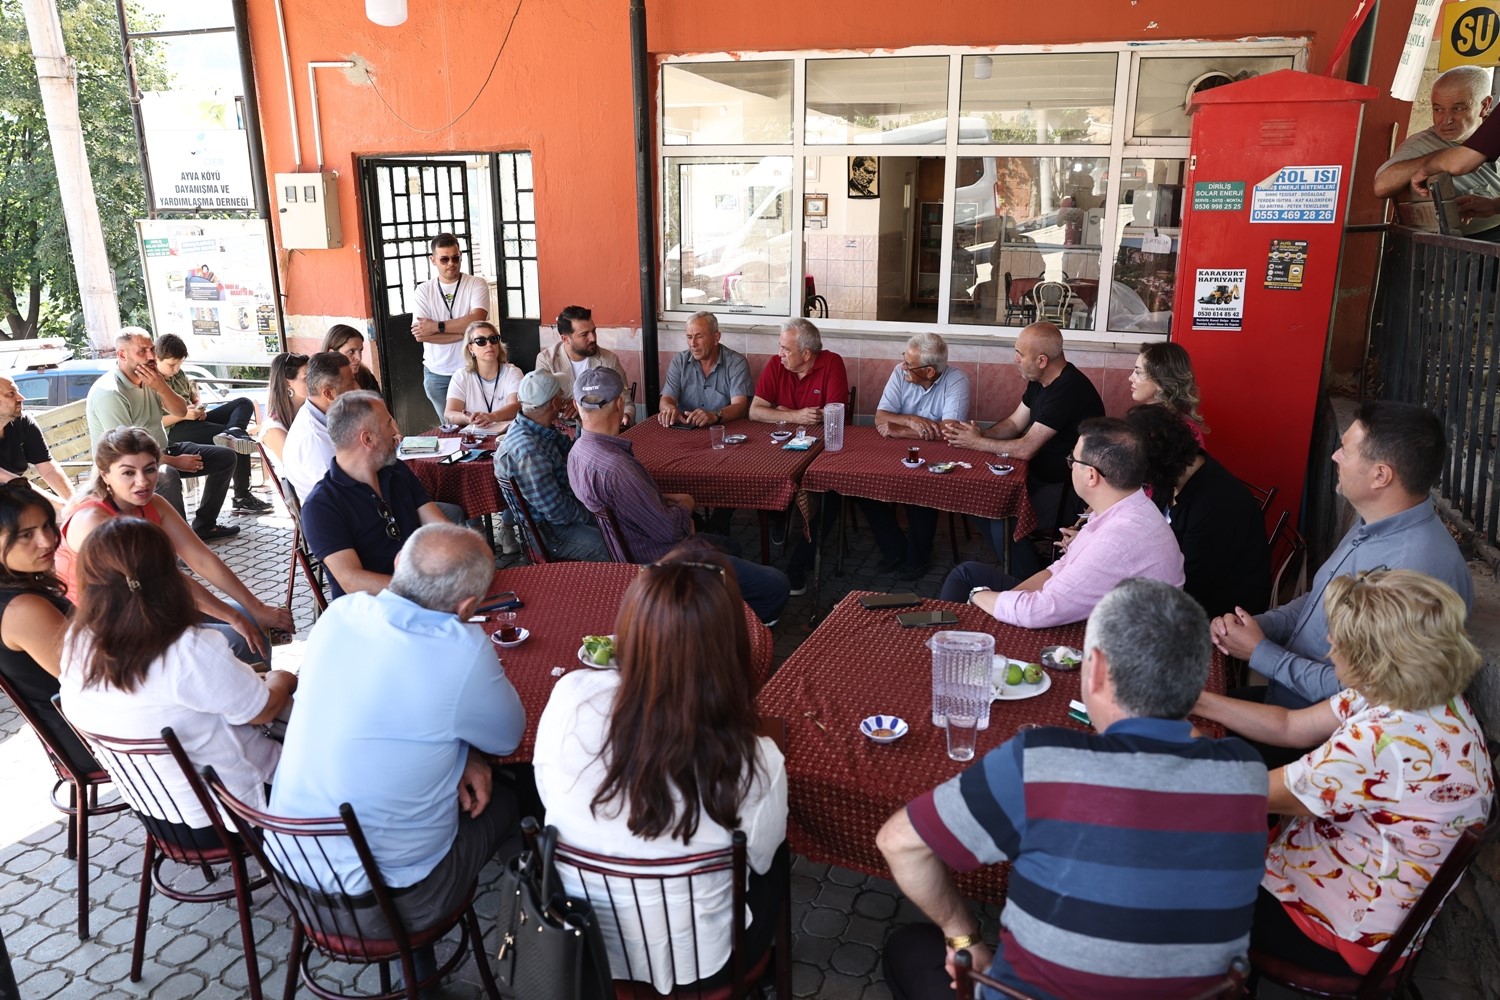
(510, 544)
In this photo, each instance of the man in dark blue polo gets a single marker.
(359, 515)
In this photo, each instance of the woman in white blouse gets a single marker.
(485, 393)
(661, 759)
(136, 660)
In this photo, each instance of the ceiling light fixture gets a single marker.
(386, 13)
(983, 67)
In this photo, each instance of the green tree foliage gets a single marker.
(38, 288)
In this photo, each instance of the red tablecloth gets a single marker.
(565, 602)
(471, 485)
(758, 474)
(860, 663)
(870, 466)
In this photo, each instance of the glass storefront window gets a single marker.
(1022, 223)
(729, 233)
(1150, 195)
(1064, 97)
(1162, 89)
(884, 100)
(726, 103)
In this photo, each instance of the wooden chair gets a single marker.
(614, 538)
(302, 555)
(1384, 979)
(531, 537)
(1289, 557)
(77, 769)
(362, 928)
(139, 768)
(967, 977)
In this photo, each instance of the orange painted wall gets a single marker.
(562, 90)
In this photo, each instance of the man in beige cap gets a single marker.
(533, 454)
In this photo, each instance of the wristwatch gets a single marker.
(718, 416)
(979, 590)
(442, 326)
(963, 941)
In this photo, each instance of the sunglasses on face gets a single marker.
(485, 341)
(446, 260)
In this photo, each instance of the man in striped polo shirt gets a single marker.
(1136, 850)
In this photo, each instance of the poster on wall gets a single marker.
(209, 282)
(1286, 265)
(1218, 300)
(197, 152)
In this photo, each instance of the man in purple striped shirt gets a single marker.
(1136, 850)
(603, 472)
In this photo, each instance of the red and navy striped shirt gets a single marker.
(1136, 855)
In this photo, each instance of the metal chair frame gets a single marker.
(302, 555)
(329, 922)
(536, 545)
(614, 538)
(84, 779)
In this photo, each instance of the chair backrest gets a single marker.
(363, 926)
(966, 977)
(1051, 298)
(1262, 496)
(1289, 557)
(69, 757)
(640, 905)
(614, 538)
(159, 791)
(536, 547)
(313, 568)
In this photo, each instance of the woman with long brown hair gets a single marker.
(285, 394)
(124, 485)
(661, 757)
(349, 342)
(1163, 374)
(136, 660)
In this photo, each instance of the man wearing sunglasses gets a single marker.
(358, 517)
(443, 309)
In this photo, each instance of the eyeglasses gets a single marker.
(913, 369)
(710, 567)
(446, 260)
(392, 529)
(485, 341)
(1071, 461)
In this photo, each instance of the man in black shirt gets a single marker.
(21, 444)
(1042, 430)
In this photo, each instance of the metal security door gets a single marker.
(517, 286)
(407, 203)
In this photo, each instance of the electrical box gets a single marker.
(308, 207)
(1272, 158)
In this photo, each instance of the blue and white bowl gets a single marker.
(884, 728)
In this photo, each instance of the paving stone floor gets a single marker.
(841, 918)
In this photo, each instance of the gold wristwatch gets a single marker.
(963, 941)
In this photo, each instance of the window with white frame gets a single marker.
(965, 190)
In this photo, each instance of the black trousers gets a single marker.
(237, 412)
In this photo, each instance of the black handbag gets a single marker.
(550, 945)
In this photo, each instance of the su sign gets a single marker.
(1469, 35)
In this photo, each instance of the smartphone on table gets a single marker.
(505, 601)
(927, 619)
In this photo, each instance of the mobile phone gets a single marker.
(507, 601)
(874, 602)
(451, 458)
(923, 619)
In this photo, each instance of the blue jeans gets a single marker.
(436, 387)
(574, 541)
(238, 644)
(764, 588)
(967, 575)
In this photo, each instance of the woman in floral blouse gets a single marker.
(1370, 815)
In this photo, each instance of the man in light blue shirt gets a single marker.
(920, 395)
(1388, 461)
(708, 383)
(401, 701)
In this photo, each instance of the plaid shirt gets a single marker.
(536, 458)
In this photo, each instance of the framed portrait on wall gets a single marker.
(864, 177)
(815, 206)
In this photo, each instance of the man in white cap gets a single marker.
(533, 454)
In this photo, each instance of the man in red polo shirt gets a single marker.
(794, 388)
(805, 378)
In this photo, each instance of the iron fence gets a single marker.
(1435, 342)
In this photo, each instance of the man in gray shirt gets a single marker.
(1389, 459)
(707, 383)
(1460, 99)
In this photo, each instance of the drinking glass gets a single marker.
(963, 730)
(716, 437)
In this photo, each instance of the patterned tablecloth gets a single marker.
(860, 663)
(471, 485)
(757, 475)
(565, 602)
(871, 466)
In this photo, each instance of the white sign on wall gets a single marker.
(209, 282)
(198, 154)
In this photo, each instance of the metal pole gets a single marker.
(127, 50)
(258, 178)
(645, 204)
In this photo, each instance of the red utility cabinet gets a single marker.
(1268, 189)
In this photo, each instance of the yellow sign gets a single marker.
(1470, 35)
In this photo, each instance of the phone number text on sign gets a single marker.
(1298, 194)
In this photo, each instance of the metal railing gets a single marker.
(1435, 342)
